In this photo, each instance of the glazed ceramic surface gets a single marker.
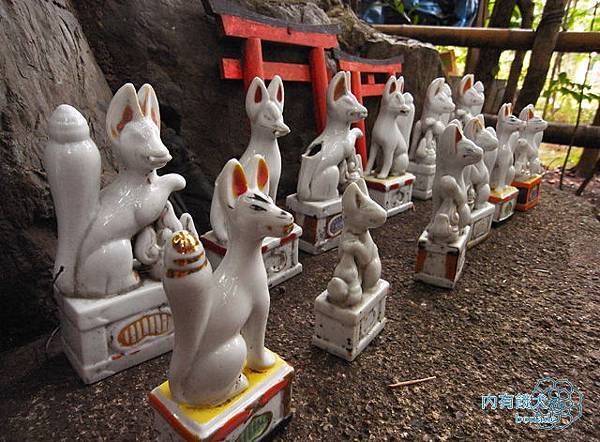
(389, 145)
(436, 111)
(527, 162)
(220, 318)
(264, 107)
(95, 227)
(477, 176)
(330, 161)
(359, 267)
(451, 212)
(500, 162)
(469, 98)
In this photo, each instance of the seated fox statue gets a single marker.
(389, 146)
(359, 267)
(220, 317)
(469, 98)
(325, 162)
(451, 212)
(94, 257)
(527, 162)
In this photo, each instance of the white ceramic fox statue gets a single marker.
(527, 162)
(469, 98)
(451, 212)
(264, 107)
(359, 267)
(389, 147)
(324, 164)
(94, 258)
(502, 171)
(477, 175)
(220, 317)
(438, 104)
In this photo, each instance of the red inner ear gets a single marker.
(125, 118)
(530, 114)
(393, 87)
(340, 88)
(144, 103)
(401, 86)
(506, 111)
(262, 177)
(279, 94)
(239, 183)
(457, 136)
(357, 200)
(258, 96)
(468, 84)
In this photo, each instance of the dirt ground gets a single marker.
(527, 306)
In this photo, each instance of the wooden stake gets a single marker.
(412, 382)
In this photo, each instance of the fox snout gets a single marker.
(358, 113)
(281, 129)
(158, 155)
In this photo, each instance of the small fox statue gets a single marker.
(389, 148)
(527, 162)
(469, 98)
(500, 164)
(264, 107)
(324, 166)
(477, 175)
(359, 267)
(437, 107)
(451, 212)
(220, 318)
(94, 258)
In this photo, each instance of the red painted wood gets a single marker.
(371, 79)
(372, 90)
(231, 69)
(361, 143)
(318, 73)
(252, 61)
(241, 27)
(347, 65)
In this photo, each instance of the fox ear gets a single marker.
(256, 95)
(123, 108)
(479, 87)
(258, 171)
(362, 185)
(276, 92)
(231, 183)
(352, 198)
(400, 84)
(149, 103)
(390, 86)
(467, 82)
(338, 86)
(435, 88)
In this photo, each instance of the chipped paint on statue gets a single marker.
(389, 145)
(221, 317)
(95, 227)
(324, 166)
(469, 98)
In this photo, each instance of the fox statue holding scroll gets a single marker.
(220, 317)
(94, 258)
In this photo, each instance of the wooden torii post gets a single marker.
(367, 86)
(254, 28)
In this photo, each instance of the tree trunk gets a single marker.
(588, 159)
(543, 46)
(473, 53)
(526, 7)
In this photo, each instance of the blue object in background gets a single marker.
(424, 12)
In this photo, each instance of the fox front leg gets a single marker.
(254, 334)
(372, 156)
(388, 158)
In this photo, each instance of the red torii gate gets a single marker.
(254, 29)
(358, 66)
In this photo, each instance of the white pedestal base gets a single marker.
(251, 416)
(346, 331)
(280, 255)
(481, 225)
(505, 203)
(424, 174)
(321, 223)
(394, 194)
(441, 265)
(102, 337)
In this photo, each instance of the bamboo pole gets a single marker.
(519, 39)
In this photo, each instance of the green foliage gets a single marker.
(568, 88)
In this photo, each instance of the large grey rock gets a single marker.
(45, 60)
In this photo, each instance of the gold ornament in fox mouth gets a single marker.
(184, 242)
